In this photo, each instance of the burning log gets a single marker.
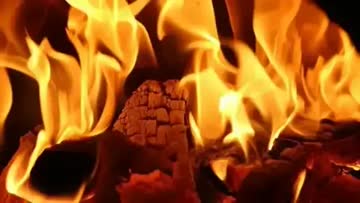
(330, 168)
(274, 180)
(165, 107)
(117, 159)
(323, 163)
(167, 160)
(246, 181)
(151, 112)
(150, 134)
(155, 117)
(140, 123)
(326, 182)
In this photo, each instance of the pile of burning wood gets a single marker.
(149, 156)
(294, 69)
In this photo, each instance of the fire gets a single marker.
(108, 39)
(220, 168)
(302, 70)
(293, 78)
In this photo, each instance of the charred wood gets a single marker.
(155, 117)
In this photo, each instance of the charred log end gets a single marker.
(154, 118)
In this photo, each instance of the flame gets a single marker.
(195, 131)
(8, 39)
(219, 167)
(5, 104)
(77, 95)
(299, 182)
(177, 17)
(302, 70)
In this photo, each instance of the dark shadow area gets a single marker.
(346, 14)
(355, 174)
(61, 172)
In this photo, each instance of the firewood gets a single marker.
(155, 117)
(151, 112)
(341, 149)
(325, 183)
(271, 181)
(118, 157)
(236, 175)
(339, 129)
(344, 151)
(148, 157)
(326, 180)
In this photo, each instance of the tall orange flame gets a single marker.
(70, 89)
(9, 43)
